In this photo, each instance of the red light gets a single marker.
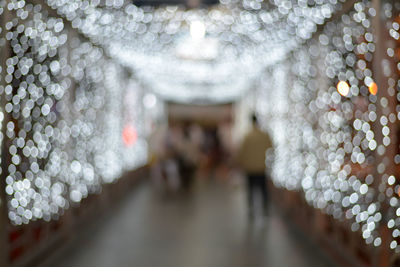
(129, 135)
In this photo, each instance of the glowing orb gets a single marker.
(129, 135)
(197, 30)
(373, 88)
(343, 88)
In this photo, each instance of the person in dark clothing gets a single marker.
(251, 158)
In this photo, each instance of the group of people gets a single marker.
(182, 150)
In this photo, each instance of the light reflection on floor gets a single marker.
(207, 227)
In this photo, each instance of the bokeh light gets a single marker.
(70, 69)
(373, 88)
(343, 88)
(129, 135)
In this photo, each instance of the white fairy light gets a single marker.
(68, 131)
(197, 30)
(58, 94)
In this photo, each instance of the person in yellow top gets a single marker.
(251, 158)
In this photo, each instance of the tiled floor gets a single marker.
(206, 228)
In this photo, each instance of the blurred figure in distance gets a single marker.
(251, 158)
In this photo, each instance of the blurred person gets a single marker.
(225, 135)
(187, 157)
(212, 148)
(157, 153)
(163, 158)
(251, 157)
(197, 137)
(226, 149)
(156, 148)
(172, 163)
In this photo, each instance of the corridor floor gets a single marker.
(207, 228)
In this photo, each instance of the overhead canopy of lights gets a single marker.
(199, 55)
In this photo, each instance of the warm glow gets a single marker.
(373, 88)
(343, 88)
(129, 135)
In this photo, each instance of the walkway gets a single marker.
(208, 228)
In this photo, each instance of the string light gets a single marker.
(325, 143)
(373, 88)
(343, 88)
(67, 131)
(64, 135)
(390, 186)
(242, 39)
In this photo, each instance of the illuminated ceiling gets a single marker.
(201, 55)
